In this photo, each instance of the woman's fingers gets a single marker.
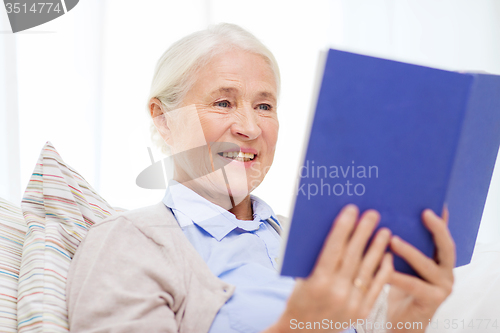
(335, 242)
(342, 256)
(410, 284)
(445, 246)
(420, 289)
(374, 254)
(382, 277)
(357, 244)
(423, 265)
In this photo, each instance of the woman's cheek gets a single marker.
(213, 125)
(271, 123)
(270, 132)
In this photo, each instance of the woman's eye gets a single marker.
(222, 104)
(265, 107)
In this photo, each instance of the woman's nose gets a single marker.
(246, 124)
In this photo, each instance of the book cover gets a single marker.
(397, 138)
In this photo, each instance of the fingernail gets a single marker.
(385, 233)
(373, 214)
(428, 211)
(350, 208)
(396, 239)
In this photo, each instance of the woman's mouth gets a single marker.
(238, 156)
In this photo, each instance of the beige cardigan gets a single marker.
(137, 272)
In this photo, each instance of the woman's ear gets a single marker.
(157, 112)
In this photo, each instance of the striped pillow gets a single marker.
(12, 231)
(58, 206)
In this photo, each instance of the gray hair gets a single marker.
(175, 71)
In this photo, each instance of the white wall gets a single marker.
(10, 176)
(83, 79)
(59, 92)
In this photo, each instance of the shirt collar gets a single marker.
(212, 218)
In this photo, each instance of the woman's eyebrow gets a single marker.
(267, 95)
(224, 90)
(232, 91)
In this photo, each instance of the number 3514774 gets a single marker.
(40, 7)
(472, 323)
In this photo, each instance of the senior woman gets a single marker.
(204, 259)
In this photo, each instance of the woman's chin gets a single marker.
(220, 186)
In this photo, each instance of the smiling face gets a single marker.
(233, 100)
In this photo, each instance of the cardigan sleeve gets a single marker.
(116, 283)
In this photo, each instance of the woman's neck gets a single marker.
(243, 210)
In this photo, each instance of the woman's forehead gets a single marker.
(236, 72)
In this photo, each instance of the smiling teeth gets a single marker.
(239, 156)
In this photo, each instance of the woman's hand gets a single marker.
(413, 300)
(345, 282)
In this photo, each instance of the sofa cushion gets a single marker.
(59, 206)
(12, 231)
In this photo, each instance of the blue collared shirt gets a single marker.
(242, 253)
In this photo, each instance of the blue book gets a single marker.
(397, 138)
